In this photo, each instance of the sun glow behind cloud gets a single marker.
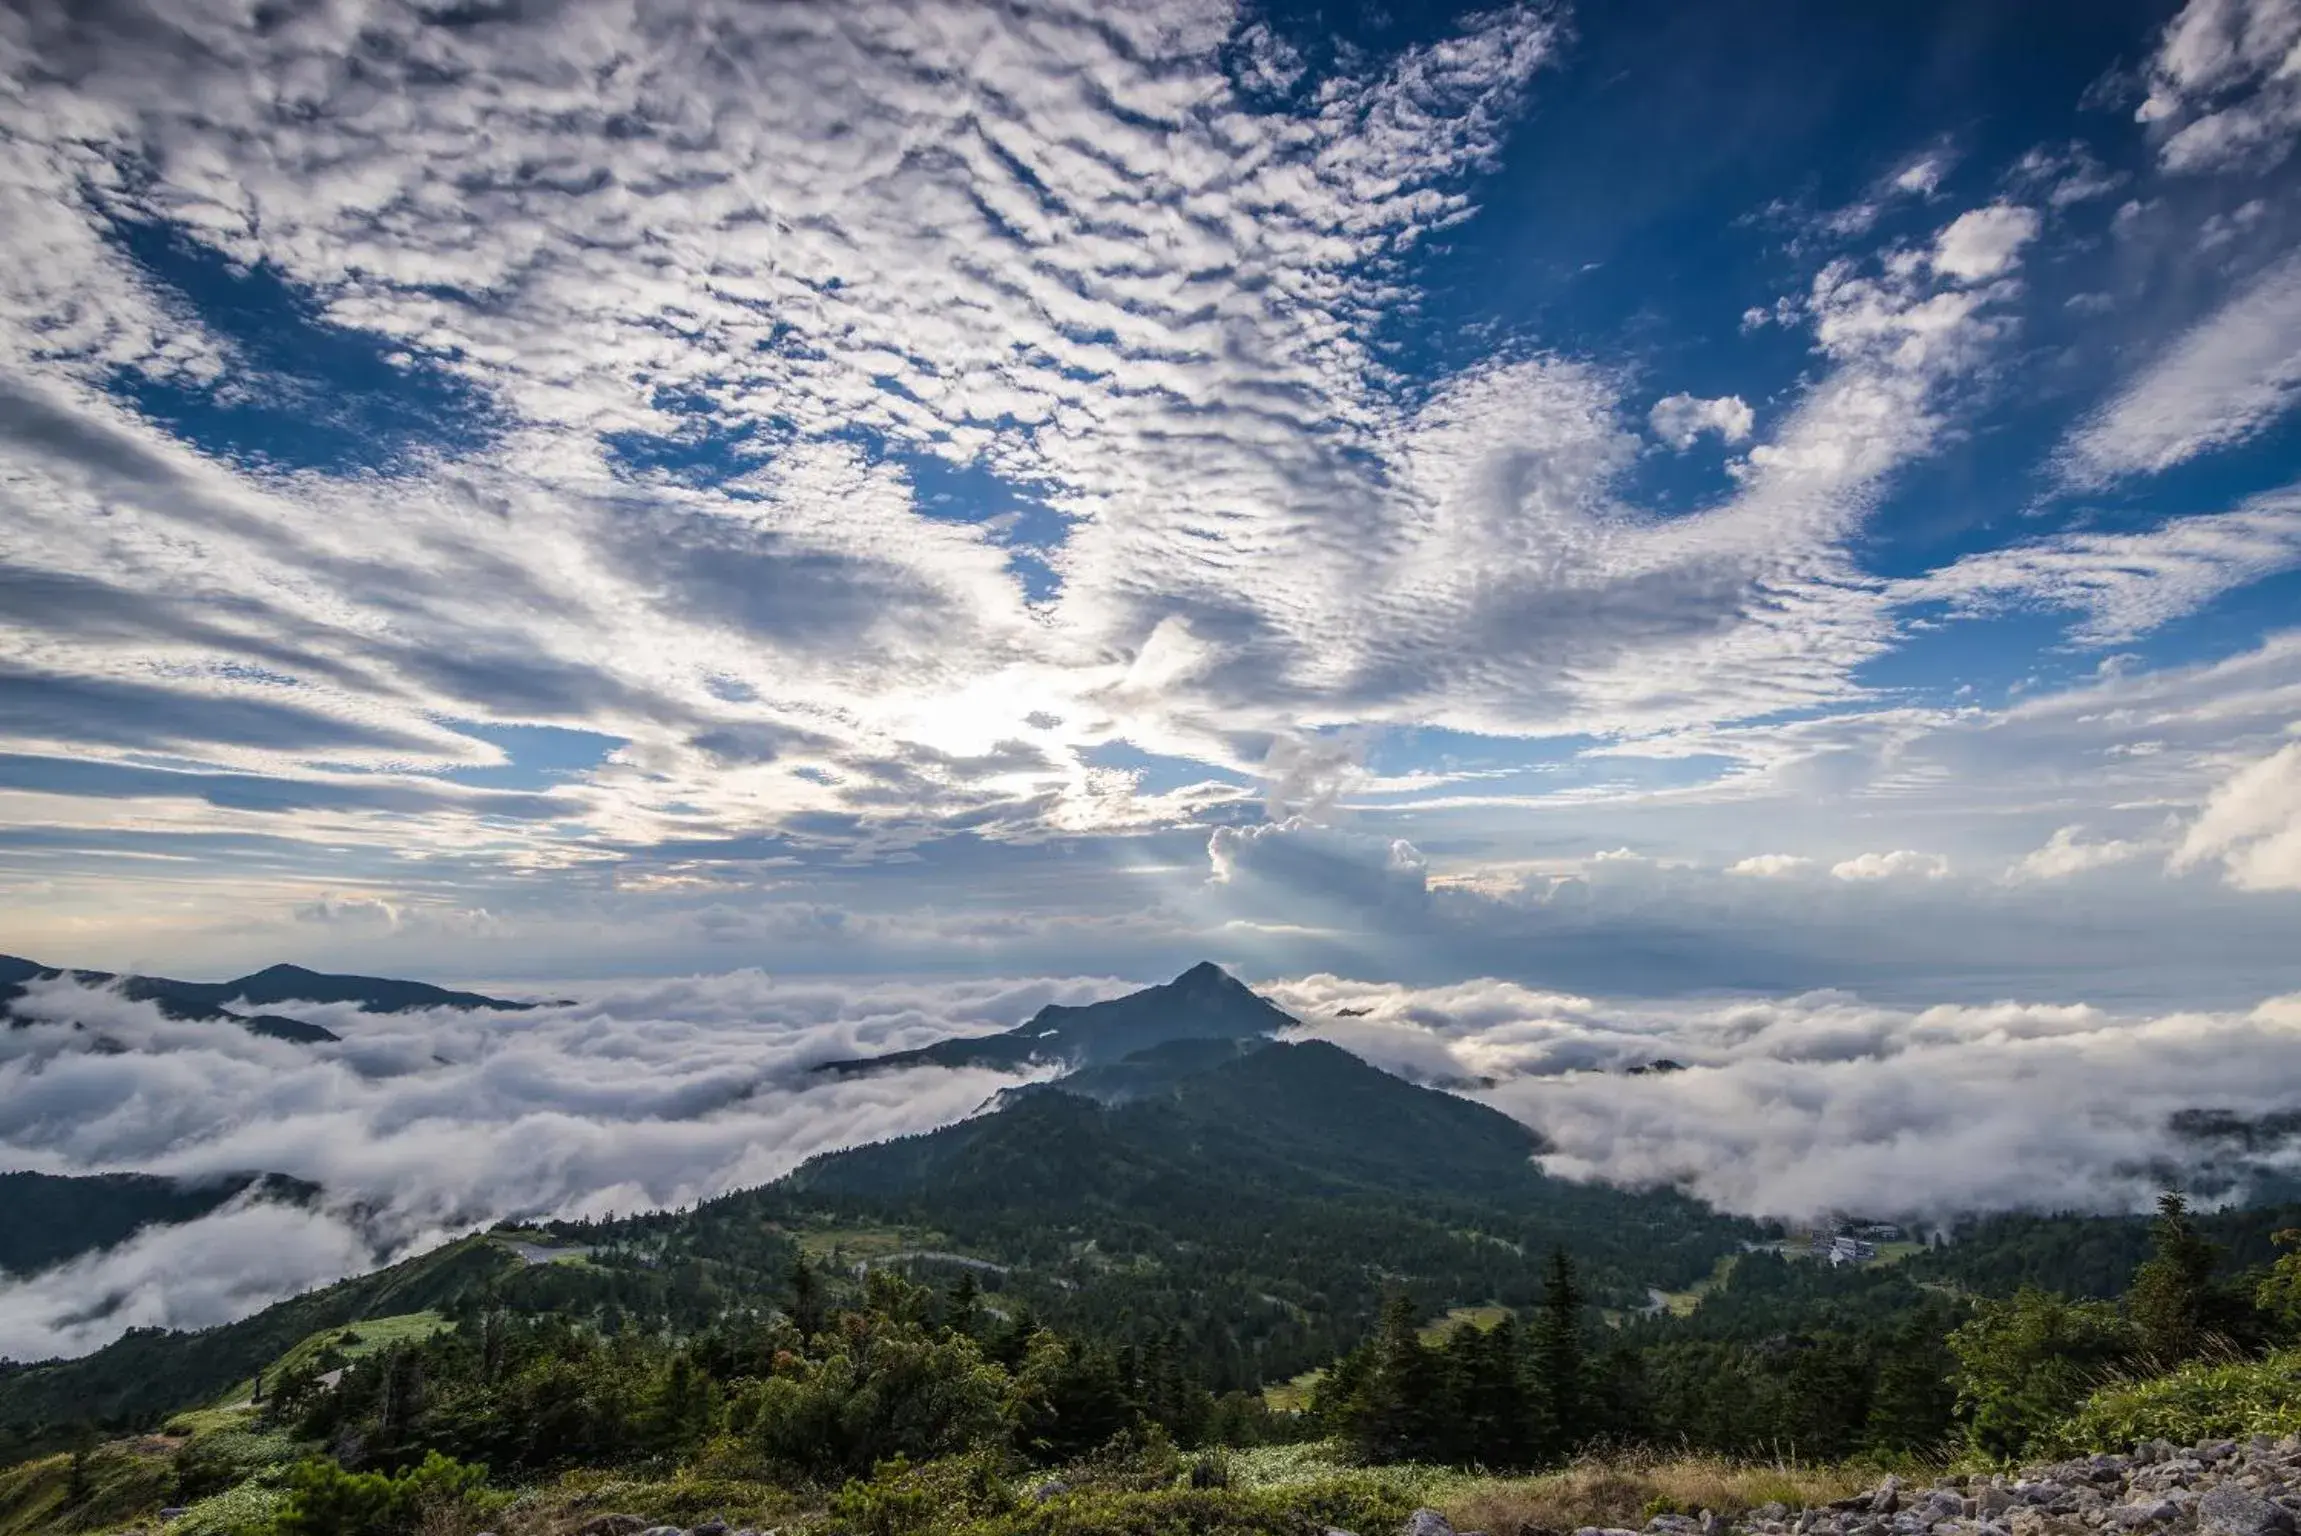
(926, 488)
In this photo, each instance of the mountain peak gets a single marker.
(280, 972)
(1207, 974)
(1204, 1003)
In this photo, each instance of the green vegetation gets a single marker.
(1436, 1330)
(1682, 1303)
(437, 1494)
(2203, 1400)
(46, 1218)
(86, 1488)
(330, 1349)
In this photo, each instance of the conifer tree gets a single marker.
(2172, 1289)
(806, 1297)
(1559, 1361)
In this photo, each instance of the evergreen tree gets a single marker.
(1559, 1362)
(1492, 1416)
(1398, 1412)
(1914, 1396)
(806, 1297)
(2173, 1289)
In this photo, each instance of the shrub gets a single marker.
(2026, 1363)
(325, 1500)
(2201, 1401)
(1351, 1504)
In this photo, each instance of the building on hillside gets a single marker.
(1843, 1248)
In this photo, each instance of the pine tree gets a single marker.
(2172, 1289)
(1398, 1413)
(1559, 1362)
(1489, 1396)
(806, 1297)
(962, 1311)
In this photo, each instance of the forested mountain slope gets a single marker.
(48, 1218)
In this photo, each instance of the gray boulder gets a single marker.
(1428, 1522)
(611, 1525)
(2232, 1511)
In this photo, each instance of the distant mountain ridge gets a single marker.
(48, 1218)
(1204, 1003)
(1187, 1166)
(207, 1001)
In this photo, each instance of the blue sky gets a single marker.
(1640, 499)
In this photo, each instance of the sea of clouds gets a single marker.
(660, 1093)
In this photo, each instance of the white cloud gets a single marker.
(1922, 176)
(1794, 1106)
(1901, 864)
(1771, 866)
(2223, 381)
(2066, 853)
(2223, 89)
(2123, 585)
(1984, 243)
(193, 1275)
(641, 1095)
(2252, 826)
(613, 228)
(1679, 419)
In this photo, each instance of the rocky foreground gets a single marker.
(2214, 1488)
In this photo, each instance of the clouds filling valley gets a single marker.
(660, 1093)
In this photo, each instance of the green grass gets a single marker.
(2204, 1400)
(855, 1245)
(1293, 1396)
(352, 1341)
(1680, 1303)
(123, 1480)
(1482, 1318)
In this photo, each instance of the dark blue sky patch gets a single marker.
(541, 755)
(300, 392)
(709, 450)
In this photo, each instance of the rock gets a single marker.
(1428, 1522)
(1336, 1530)
(1052, 1488)
(1712, 1524)
(611, 1525)
(2128, 1517)
(2032, 1520)
(713, 1527)
(2233, 1511)
(1888, 1498)
(1772, 1509)
(1992, 1500)
(663, 1530)
(1946, 1504)
(172, 1512)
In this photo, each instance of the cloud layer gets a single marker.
(422, 1124)
(660, 1094)
(1801, 1105)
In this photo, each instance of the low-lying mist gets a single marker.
(644, 1095)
